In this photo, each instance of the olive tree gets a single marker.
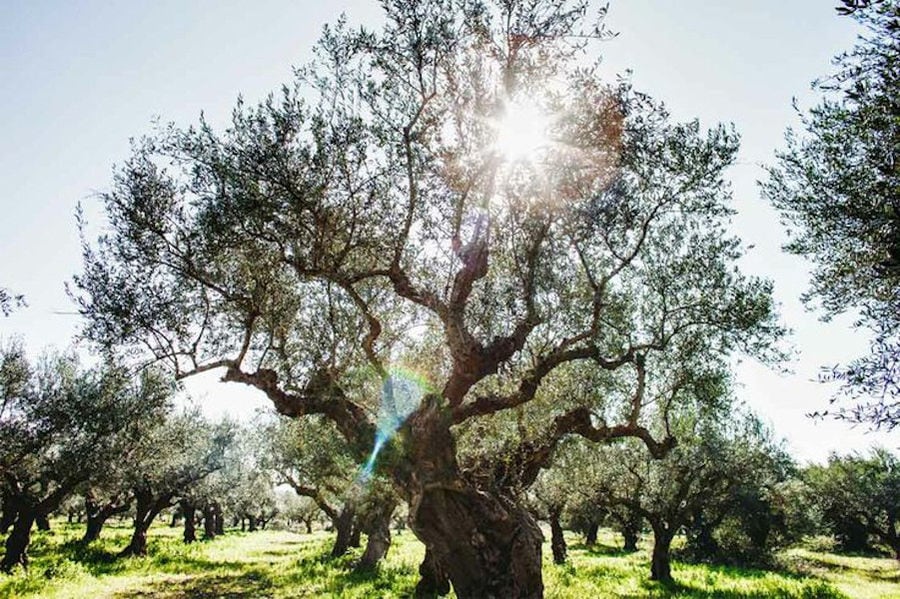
(61, 426)
(837, 187)
(386, 204)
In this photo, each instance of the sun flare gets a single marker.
(521, 132)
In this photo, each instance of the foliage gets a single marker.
(859, 498)
(838, 188)
(9, 301)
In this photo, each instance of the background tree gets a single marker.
(859, 498)
(170, 459)
(381, 194)
(9, 301)
(838, 189)
(60, 426)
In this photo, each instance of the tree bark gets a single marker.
(218, 519)
(147, 508)
(252, 522)
(355, 535)
(344, 527)
(189, 512)
(98, 514)
(631, 532)
(660, 566)
(43, 523)
(488, 543)
(209, 523)
(557, 540)
(378, 532)
(590, 535)
(308, 523)
(18, 539)
(10, 512)
(433, 580)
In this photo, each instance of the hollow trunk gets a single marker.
(378, 532)
(489, 545)
(433, 580)
(557, 540)
(590, 535)
(660, 567)
(43, 523)
(189, 512)
(17, 541)
(344, 527)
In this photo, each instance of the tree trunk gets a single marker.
(557, 540)
(189, 512)
(660, 567)
(488, 543)
(43, 523)
(146, 510)
(344, 527)
(378, 532)
(218, 519)
(590, 536)
(252, 522)
(308, 523)
(98, 514)
(355, 535)
(209, 523)
(631, 532)
(433, 579)
(17, 541)
(10, 512)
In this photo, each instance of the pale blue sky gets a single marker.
(78, 78)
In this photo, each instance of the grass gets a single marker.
(283, 564)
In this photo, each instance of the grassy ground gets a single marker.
(283, 564)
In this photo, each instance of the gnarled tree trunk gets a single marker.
(489, 545)
(378, 532)
(189, 512)
(147, 508)
(18, 539)
(590, 535)
(660, 566)
(433, 580)
(97, 514)
(343, 525)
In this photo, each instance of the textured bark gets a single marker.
(189, 512)
(344, 527)
(209, 523)
(489, 545)
(147, 508)
(660, 566)
(97, 514)
(433, 580)
(590, 535)
(18, 539)
(378, 533)
(557, 540)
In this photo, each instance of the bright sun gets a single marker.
(522, 132)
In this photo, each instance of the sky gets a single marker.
(79, 78)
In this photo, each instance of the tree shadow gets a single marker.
(601, 549)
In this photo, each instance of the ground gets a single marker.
(285, 564)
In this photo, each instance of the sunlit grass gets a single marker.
(283, 564)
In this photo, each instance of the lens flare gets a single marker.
(401, 393)
(521, 132)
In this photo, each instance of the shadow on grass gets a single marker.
(675, 588)
(251, 582)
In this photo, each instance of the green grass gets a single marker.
(284, 564)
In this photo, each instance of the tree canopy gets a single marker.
(837, 186)
(371, 228)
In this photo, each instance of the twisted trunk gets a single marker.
(18, 539)
(660, 566)
(378, 532)
(189, 512)
(433, 580)
(344, 527)
(489, 545)
(147, 508)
